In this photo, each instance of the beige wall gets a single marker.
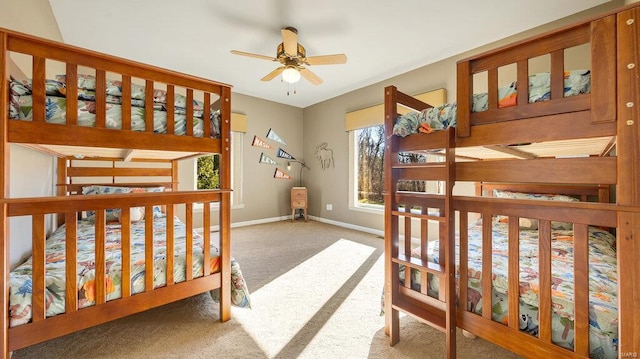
(324, 122)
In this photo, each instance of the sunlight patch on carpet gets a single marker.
(281, 308)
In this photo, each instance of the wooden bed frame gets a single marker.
(610, 109)
(114, 145)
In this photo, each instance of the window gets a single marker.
(206, 173)
(367, 169)
(370, 166)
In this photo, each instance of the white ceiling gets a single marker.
(381, 39)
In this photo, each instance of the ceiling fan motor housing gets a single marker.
(281, 54)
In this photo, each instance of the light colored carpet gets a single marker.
(315, 291)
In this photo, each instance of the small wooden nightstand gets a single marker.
(298, 201)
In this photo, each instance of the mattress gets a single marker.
(21, 106)
(602, 283)
(21, 283)
(439, 118)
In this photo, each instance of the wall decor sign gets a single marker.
(271, 134)
(279, 174)
(325, 156)
(258, 142)
(283, 154)
(268, 160)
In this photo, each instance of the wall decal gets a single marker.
(280, 174)
(266, 159)
(283, 154)
(258, 142)
(325, 156)
(271, 134)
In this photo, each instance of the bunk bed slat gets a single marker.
(487, 271)
(148, 249)
(148, 108)
(581, 296)
(100, 268)
(206, 114)
(125, 221)
(557, 74)
(544, 280)
(464, 261)
(206, 220)
(189, 112)
(189, 241)
(523, 78)
(72, 92)
(126, 102)
(39, 268)
(101, 98)
(71, 270)
(170, 245)
(171, 109)
(513, 276)
(492, 84)
(38, 92)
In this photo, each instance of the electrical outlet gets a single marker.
(329, 207)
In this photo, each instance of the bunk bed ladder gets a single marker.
(438, 312)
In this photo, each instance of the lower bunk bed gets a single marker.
(602, 272)
(21, 284)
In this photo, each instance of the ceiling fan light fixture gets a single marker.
(291, 75)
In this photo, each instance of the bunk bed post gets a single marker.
(225, 204)
(391, 316)
(464, 90)
(628, 188)
(4, 186)
(61, 188)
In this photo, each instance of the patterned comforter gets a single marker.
(20, 277)
(439, 118)
(602, 283)
(21, 106)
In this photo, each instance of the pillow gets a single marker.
(136, 214)
(113, 214)
(526, 223)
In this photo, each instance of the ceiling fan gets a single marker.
(293, 58)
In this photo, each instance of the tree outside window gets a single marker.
(369, 163)
(208, 168)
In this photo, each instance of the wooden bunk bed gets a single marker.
(582, 146)
(134, 142)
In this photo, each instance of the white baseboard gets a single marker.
(283, 218)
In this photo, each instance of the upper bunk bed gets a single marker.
(559, 141)
(79, 105)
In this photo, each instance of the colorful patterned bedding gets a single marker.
(602, 283)
(21, 284)
(21, 106)
(439, 118)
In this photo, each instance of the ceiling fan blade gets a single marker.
(290, 41)
(263, 57)
(327, 59)
(271, 75)
(310, 76)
